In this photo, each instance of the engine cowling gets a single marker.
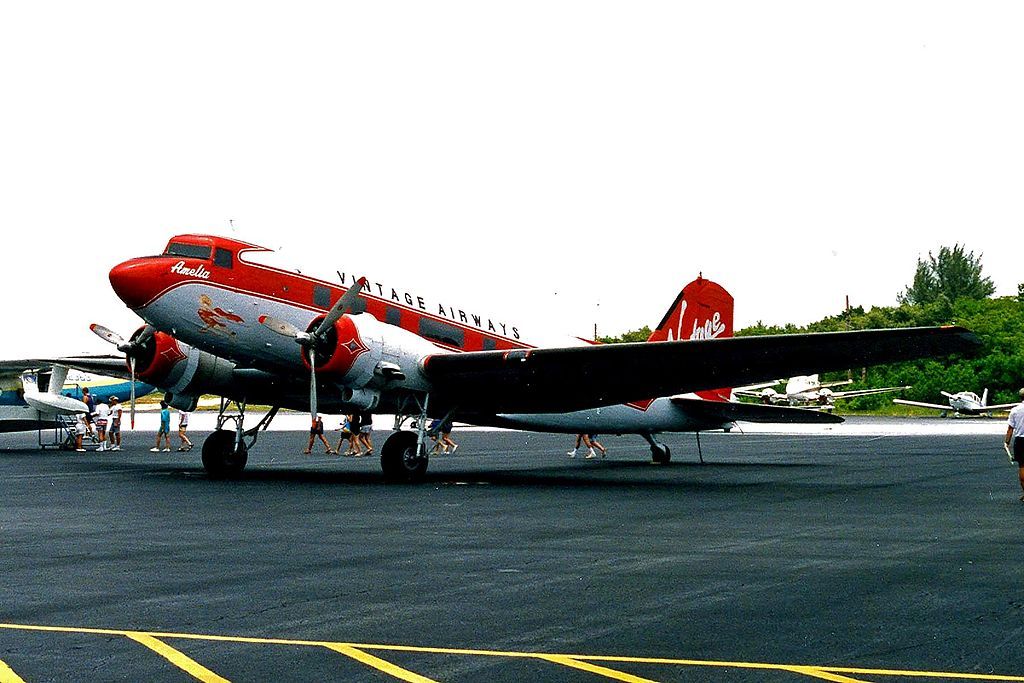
(348, 355)
(181, 370)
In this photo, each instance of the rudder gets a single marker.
(703, 310)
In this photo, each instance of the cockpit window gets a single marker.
(188, 250)
(223, 258)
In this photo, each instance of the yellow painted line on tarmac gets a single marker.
(178, 659)
(595, 669)
(822, 674)
(7, 674)
(818, 671)
(379, 664)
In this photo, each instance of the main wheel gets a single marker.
(399, 459)
(220, 457)
(660, 454)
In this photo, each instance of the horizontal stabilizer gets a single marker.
(728, 411)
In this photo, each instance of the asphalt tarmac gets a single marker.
(836, 556)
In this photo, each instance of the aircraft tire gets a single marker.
(660, 455)
(220, 459)
(398, 458)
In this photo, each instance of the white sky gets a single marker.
(548, 163)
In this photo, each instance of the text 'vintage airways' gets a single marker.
(450, 312)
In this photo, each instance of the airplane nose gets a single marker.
(135, 282)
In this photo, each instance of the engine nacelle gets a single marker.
(361, 352)
(181, 370)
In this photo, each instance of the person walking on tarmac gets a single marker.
(316, 430)
(185, 442)
(1014, 441)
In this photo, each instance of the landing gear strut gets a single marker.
(404, 455)
(226, 451)
(660, 453)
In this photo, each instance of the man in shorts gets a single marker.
(114, 432)
(1014, 441)
(100, 422)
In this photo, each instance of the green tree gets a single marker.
(641, 335)
(952, 275)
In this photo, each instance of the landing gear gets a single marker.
(660, 453)
(403, 457)
(226, 451)
(222, 458)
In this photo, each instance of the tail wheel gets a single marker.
(399, 459)
(660, 454)
(221, 459)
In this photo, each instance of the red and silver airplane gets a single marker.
(222, 318)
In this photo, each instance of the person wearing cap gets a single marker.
(1014, 441)
(114, 432)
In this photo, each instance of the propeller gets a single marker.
(311, 340)
(129, 349)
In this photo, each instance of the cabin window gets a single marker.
(223, 258)
(321, 296)
(441, 332)
(359, 306)
(490, 344)
(188, 250)
(393, 316)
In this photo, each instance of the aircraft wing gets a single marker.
(865, 392)
(933, 406)
(1002, 406)
(108, 365)
(565, 379)
(754, 390)
(728, 411)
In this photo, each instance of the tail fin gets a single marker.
(703, 310)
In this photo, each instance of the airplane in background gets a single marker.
(960, 403)
(222, 318)
(34, 393)
(807, 390)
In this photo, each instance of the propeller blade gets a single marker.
(131, 364)
(147, 333)
(282, 327)
(107, 335)
(312, 383)
(343, 305)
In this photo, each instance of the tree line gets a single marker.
(948, 288)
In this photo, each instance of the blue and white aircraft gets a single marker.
(32, 395)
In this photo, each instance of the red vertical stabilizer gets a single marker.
(703, 310)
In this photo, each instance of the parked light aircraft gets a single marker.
(960, 403)
(222, 319)
(807, 390)
(33, 393)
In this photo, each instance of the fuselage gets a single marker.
(214, 293)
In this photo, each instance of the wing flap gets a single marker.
(565, 379)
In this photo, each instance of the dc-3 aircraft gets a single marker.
(222, 318)
(960, 403)
(34, 392)
(806, 390)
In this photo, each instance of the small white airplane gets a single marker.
(222, 318)
(960, 403)
(806, 390)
